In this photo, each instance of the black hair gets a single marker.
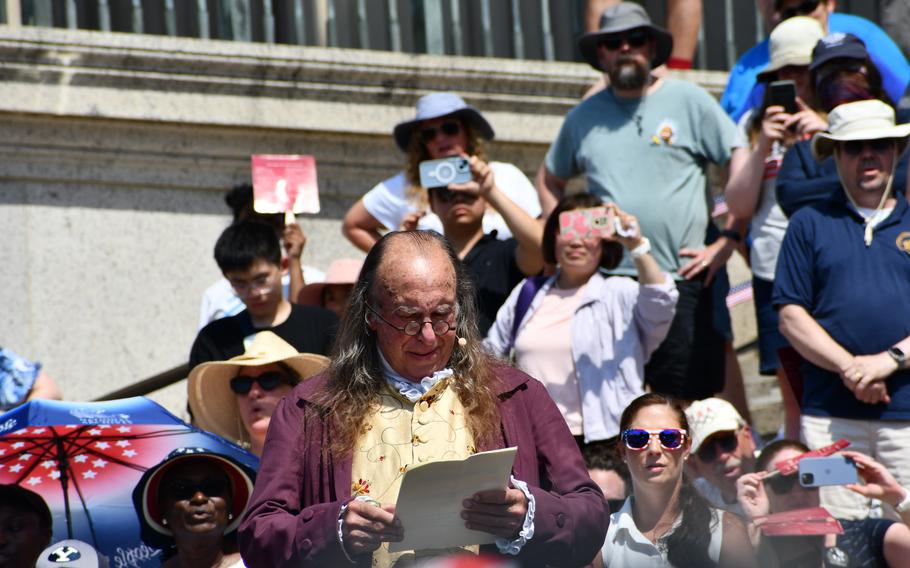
(774, 448)
(27, 501)
(688, 544)
(240, 199)
(243, 243)
(611, 251)
(598, 455)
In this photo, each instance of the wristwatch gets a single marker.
(732, 235)
(899, 356)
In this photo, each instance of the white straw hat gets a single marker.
(860, 120)
(211, 399)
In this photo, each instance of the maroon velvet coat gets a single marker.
(293, 512)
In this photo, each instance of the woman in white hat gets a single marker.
(235, 398)
(444, 126)
(765, 135)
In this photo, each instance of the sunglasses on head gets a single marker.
(183, 491)
(855, 147)
(781, 484)
(638, 439)
(801, 9)
(716, 445)
(270, 381)
(636, 38)
(449, 128)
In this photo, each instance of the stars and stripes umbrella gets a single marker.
(85, 458)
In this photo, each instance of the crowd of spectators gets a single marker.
(482, 319)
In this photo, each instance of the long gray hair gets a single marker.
(355, 376)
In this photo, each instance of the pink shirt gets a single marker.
(543, 349)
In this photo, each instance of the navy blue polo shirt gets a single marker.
(859, 295)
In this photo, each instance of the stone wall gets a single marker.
(116, 150)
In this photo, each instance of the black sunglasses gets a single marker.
(715, 445)
(209, 487)
(449, 128)
(635, 39)
(781, 484)
(445, 195)
(638, 439)
(855, 147)
(270, 381)
(801, 9)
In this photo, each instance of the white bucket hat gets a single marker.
(791, 43)
(860, 120)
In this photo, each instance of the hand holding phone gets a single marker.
(585, 223)
(444, 172)
(782, 93)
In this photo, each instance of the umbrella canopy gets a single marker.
(85, 458)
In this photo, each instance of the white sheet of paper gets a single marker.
(429, 501)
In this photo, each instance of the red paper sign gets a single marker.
(283, 183)
(815, 521)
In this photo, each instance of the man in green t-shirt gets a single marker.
(645, 144)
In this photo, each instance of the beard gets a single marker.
(629, 73)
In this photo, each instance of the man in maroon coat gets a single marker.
(409, 366)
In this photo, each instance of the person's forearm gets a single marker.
(45, 388)
(811, 340)
(648, 270)
(747, 168)
(297, 282)
(593, 10)
(526, 230)
(550, 190)
(364, 239)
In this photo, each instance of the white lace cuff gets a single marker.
(341, 524)
(513, 547)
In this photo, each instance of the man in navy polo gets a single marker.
(842, 287)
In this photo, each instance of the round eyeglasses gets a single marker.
(440, 327)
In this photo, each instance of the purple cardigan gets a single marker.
(293, 512)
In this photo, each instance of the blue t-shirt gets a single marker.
(864, 542)
(859, 295)
(742, 91)
(649, 156)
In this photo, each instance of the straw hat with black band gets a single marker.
(862, 120)
(623, 17)
(153, 530)
(214, 404)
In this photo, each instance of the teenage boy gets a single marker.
(249, 255)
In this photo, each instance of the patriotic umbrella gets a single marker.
(84, 458)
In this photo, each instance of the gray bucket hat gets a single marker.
(435, 105)
(623, 17)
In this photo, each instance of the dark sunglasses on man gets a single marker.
(635, 39)
(803, 8)
(878, 145)
(449, 128)
(445, 195)
(721, 443)
(781, 484)
(270, 381)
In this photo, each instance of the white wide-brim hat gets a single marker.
(214, 404)
(860, 120)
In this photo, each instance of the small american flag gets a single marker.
(739, 294)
